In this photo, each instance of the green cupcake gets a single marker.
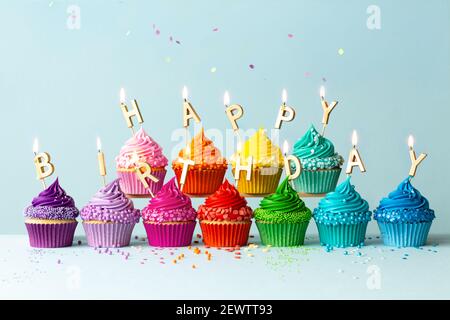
(282, 218)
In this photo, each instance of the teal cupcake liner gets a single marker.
(317, 181)
(404, 234)
(282, 234)
(342, 235)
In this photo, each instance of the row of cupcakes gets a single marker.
(404, 217)
(321, 165)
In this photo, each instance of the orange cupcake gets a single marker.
(208, 171)
(225, 218)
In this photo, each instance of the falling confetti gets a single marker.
(50, 4)
(324, 79)
(251, 66)
(171, 39)
(290, 35)
(307, 74)
(178, 42)
(215, 29)
(341, 51)
(213, 69)
(168, 59)
(157, 32)
(128, 33)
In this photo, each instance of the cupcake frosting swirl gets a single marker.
(404, 204)
(169, 204)
(110, 204)
(316, 152)
(52, 203)
(285, 199)
(263, 151)
(343, 206)
(141, 148)
(202, 151)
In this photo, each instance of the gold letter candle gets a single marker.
(144, 171)
(285, 113)
(354, 159)
(287, 163)
(188, 110)
(326, 108)
(234, 112)
(412, 155)
(42, 162)
(101, 161)
(238, 167)
(128, 115)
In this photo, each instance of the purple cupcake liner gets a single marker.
(131, 185)
(170, 234)
(55, 235)
(108, 235)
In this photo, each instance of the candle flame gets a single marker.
(284, 96)
(239, 147)
(226, 98)
(122, 95)
(185, 93)
(322, 92)
(354, 138)
(187, 150)
(35, 145)
(99, 144)
(285, 147)
(410, 141)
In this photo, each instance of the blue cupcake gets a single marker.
(342, 217)
(404, 217)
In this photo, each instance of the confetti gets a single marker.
(341, 51)
(215, 29)
(168, 59)
(194, 266)
(50, 4)
(157, 32)
(307, 74)
(290, 35)
(178, 42)
(59, 261)
(171, 39)
(324, 79)
(213, 69)
(251, 66)
(128, 33)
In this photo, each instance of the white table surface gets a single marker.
(308, 272)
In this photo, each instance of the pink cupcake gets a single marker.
(109, 218)
(140, 148)
(169, 218)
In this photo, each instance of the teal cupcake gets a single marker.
(321, 164)
(282, 218)
(404, 217)
(342, 217)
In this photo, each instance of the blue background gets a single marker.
(62, 85)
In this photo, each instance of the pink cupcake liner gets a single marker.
(170, 234)
(55, 235)
(108, 235)
(131, 185)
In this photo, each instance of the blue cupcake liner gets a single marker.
(342, 235)
(404, 234)
(317, 181)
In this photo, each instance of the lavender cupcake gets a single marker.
(51, 218)
(109, 218)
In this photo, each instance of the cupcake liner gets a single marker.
(170, 234)
(132, 186)
(404, 234)
(225, 234)
(201, 181)
(52, 235)
(262, 181)
(282, 234)
(317, 181)
(342, 235)
(108, 235)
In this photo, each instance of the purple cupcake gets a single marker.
(109, 218)
(51, 218)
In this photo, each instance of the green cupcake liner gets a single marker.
(342, 235)
(282, 234)
(404, 234)
(317, 181)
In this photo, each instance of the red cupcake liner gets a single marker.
(201, 181)
(54, 235)
(108, 235)
(132, 186)
(225, 234)
(170, 234)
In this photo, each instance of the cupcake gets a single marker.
(404, 217)
(342, 217)
(109, 218)
(140, 148)
(225, 218)
(321, 164)
(282, 218)
(267, 165)
(51, 218)
(206, 175)
(169, 218)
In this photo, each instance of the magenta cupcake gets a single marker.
(109, 218)
(169, 218)
(51, 218)
(140, 148)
